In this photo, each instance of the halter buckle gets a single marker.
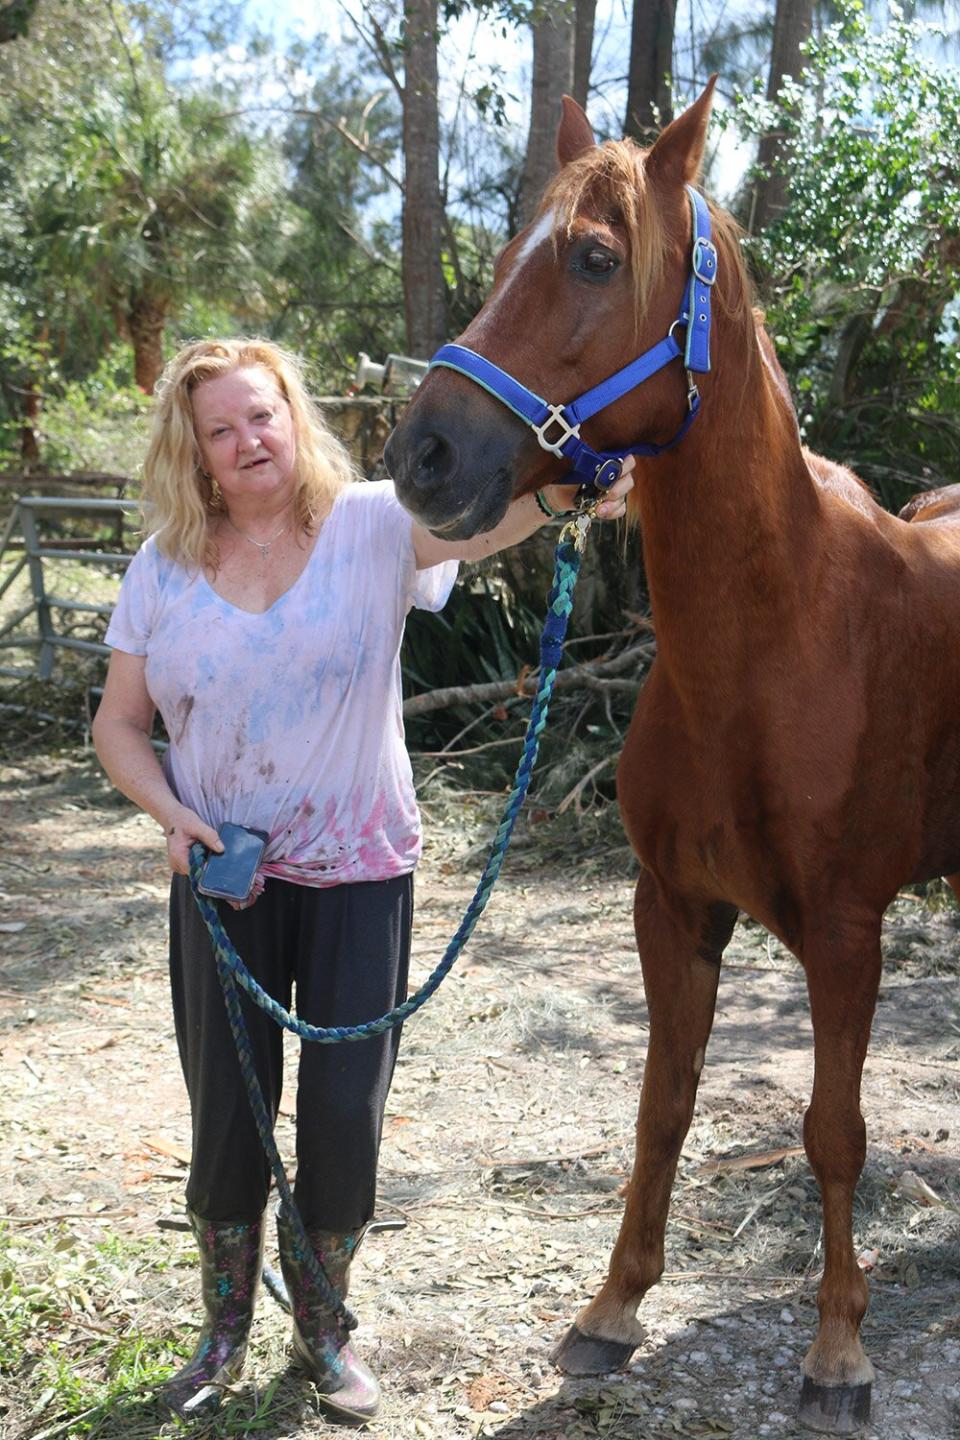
(568, 431)
(693, 392)
(703, 261)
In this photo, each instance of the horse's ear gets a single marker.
(574, 133)
(677, 152)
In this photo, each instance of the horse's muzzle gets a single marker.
(454, 475)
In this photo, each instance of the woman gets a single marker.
(263, 618)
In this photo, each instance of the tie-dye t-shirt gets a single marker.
(291, 721)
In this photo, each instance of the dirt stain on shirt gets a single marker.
(183, 712)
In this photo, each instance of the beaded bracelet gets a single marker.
(545, 508)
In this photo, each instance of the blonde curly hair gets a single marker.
(179, 497)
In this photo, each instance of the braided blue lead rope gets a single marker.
(232, 971)
(559, 605)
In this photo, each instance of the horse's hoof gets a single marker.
(579, 1354)
(834, 1409)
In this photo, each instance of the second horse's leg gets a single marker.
(843, 974)
(681, 944)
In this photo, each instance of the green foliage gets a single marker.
(141, 207)
(180, 29)
(97, 423)
(125, 199)
(86, 1337)
(42, 1279)
(23, 1308)
(860, 270)
(339, 257)
(147, 196)
(485, 632)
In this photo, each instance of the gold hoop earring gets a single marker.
(214, 495)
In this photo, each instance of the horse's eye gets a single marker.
(597, 262)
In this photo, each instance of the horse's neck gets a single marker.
(729, 523)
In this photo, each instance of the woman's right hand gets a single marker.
(183, 830)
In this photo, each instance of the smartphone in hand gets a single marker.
(230, 876)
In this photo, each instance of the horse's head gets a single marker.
(592, 282)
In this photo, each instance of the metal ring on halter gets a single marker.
(568, 431)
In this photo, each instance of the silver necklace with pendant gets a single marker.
(262, 545)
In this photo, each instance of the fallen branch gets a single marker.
(167, 1147)
(470, 749)
(594, 682)
(64, 1215)
(573, 798)
(755, 1160)
(592, 674)
(492, 1162)
(755, 1209)
(599, 1209)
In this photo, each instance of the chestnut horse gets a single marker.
(795, 753)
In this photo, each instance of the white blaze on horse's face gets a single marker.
(487, 322)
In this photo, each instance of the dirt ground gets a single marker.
(508, 1137)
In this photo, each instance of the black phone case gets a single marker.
(230, 876)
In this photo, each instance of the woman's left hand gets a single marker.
(613, 506)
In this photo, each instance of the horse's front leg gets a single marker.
(843, 975)
(681, 944)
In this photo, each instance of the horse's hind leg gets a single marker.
(681, 945)
(843, 974)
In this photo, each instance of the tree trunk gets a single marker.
(553, 39)
(649, 102)
(29, 444)
(30, 394)
(917, 307)
(791, 27)
(854, 336)
(583, 50)
(146, 320)
(424, 294)
(913, 317)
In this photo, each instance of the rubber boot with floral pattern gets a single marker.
(231, 1258)
(345, 1385)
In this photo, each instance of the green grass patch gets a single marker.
(91, 1325)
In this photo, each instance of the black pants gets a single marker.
(346, 949)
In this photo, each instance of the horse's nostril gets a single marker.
(432, 460)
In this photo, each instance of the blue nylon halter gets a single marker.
(557, 427)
